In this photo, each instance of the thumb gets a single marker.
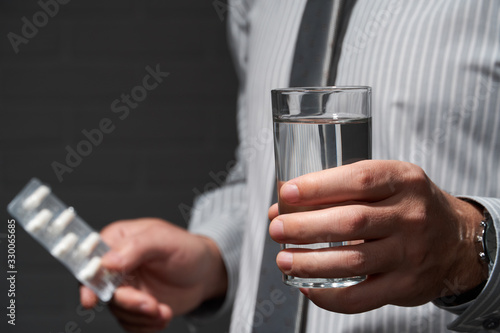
(132, 255)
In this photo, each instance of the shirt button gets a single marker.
(491, 323)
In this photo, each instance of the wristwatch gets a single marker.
(488, 239)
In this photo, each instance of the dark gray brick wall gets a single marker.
(63, 81)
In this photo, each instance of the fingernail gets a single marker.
(290, 192)
(305, 291)
(276, 229)
(285, 260)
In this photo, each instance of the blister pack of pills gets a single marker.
(65, 235)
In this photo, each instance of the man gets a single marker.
(434, 71)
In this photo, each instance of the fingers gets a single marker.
(138, 311)
(140, 244)
(117, 232)
(362, 181)
(137, 251)
(341, 261)
(87, 297)
(335, 224)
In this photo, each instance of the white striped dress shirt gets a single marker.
(434, 67)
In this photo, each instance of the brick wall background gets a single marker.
(62, 81)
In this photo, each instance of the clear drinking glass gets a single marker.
(317, 128)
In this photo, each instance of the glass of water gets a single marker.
(319, 128)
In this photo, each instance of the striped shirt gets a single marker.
(434, 67)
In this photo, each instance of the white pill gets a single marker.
(39, 221)
(65, 245)
(91, 269)
(62, 220)
(36, 198)
(89, 244)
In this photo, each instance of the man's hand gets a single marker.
(418, 240)
(168, 272)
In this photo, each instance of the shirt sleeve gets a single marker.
(483, 313)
